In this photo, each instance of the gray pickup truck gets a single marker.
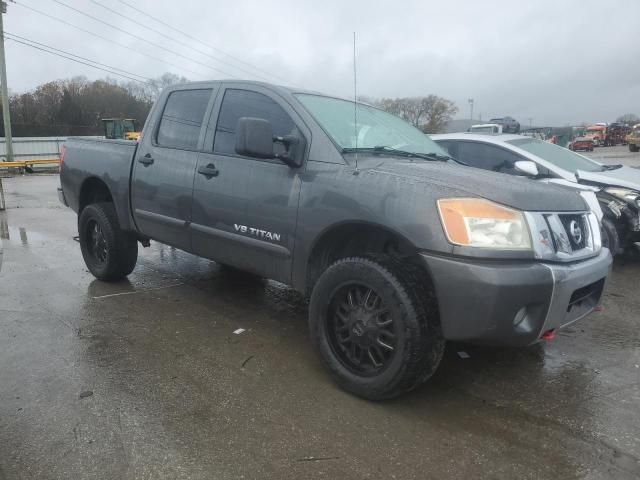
(398, 248)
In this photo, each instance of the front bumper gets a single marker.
(513, 303)
(61, 197)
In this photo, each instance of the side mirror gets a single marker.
(526, 167)
(254, 138)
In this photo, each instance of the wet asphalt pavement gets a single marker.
(146, 379)
(615, 155)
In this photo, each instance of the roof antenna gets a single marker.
(355, 104)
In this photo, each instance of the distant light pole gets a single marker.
(471, 109)
(5, 92)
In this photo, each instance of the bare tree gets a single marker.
(76, 106)
(628, 119)
(430, 113)
(439, 112)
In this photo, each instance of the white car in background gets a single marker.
(486, 128)
(617, 188)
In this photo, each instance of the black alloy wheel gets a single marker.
(362, 331)
(97, 243)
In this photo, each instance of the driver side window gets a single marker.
(244, 103)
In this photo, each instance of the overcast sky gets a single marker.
(558, 62)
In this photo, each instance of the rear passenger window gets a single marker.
(182, 119)
(243, 103)
(487, 157)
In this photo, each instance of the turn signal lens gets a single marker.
(475, 222)
(63, 150)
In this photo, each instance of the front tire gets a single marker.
(109, 252)
(374, 321)
(610, 237)
(633, 147)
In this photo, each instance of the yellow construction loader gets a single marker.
(121, 128)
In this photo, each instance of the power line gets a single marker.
(145, 79)
(175, 40)
(63, 54)
(157, 45)
(129, 49)
(53, 52)
(161, 22)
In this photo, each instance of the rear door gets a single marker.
(165, 164)
(244, 209)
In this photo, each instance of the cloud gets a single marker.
(556, 62)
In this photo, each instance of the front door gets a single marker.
(487, 157)
(164, 167)
(244, 209)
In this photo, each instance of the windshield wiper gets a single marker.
(425, 156)
(402, 153)
(606, 168)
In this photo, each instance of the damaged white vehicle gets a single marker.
(616, 187)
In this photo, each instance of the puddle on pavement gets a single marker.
(18, 234)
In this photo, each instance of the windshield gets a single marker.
(376, 128)
(559, 156)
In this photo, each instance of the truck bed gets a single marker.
(109, 161)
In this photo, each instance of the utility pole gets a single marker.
(471, 108)
(5, 91)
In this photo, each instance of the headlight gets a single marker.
(476, 222)
(626, 194)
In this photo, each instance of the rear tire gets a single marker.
(109, 252)
(610, 237)
(374, 321)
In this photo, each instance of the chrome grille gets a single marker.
(564, 236)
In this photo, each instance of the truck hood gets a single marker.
(621, 177)
(515, 192)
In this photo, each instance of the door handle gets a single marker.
(146, 160)
(208, 171)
